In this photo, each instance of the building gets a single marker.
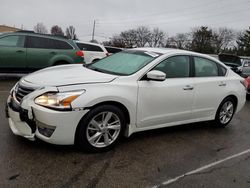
(6, 29)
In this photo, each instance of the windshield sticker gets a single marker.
(152, 54)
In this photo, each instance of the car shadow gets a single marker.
(179, 129)
(186, 129)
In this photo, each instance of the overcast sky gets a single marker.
(114, 16)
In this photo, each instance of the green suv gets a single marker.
(29, 51)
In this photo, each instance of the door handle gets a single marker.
(20, 51)
(222, 84)
(188, 87)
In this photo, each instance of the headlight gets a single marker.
(60, 101)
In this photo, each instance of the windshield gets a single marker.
(124, 63)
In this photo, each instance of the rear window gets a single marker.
(230, 59)
(62, 45)
(112, 50)
(89, 47)
(46, 43)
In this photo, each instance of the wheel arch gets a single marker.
(114, 103)
(234, 98)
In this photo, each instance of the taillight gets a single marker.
(80, 53)
(244, 83)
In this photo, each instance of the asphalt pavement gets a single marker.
(193, 155)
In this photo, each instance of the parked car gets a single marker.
(92, 51)
(232, 61)
(29, 51)
(131, 91)
(113, 50)
(245, 66)
(247, 83)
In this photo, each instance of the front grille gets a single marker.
(22, 91)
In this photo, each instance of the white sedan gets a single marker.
(134, 90)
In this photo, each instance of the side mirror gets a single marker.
(156, 75)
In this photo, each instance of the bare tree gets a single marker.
(115, 41)
(157, 38)
(56, 30)
(40, 28)
(70, 32)
(129, 38)
(181, 40)
(223, 38)
(143, 35)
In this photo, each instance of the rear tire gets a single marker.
(101, 129)
(225, 112)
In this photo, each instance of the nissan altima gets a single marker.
(134, 90)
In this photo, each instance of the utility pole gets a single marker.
(93, 33)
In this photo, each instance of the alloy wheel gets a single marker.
(226, 112)
(103, 129)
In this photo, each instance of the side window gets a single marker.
(39, 42)
(95, 48)
(81, 46)
(62, 45)
(175, 67)
(89, 47)
(12, 41)
(205, 67)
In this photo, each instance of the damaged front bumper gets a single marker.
(19, 120)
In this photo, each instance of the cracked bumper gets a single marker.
(30, 123)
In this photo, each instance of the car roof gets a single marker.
(30, 33)
(169, 50)
(173, 51)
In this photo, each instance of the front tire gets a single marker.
(101, 128)
(225, 112)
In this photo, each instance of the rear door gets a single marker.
(40, 51)
(210, 87)
(12, 52)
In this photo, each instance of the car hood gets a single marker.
(67, 75)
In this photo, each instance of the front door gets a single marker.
(12, 52)
(169, 101)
